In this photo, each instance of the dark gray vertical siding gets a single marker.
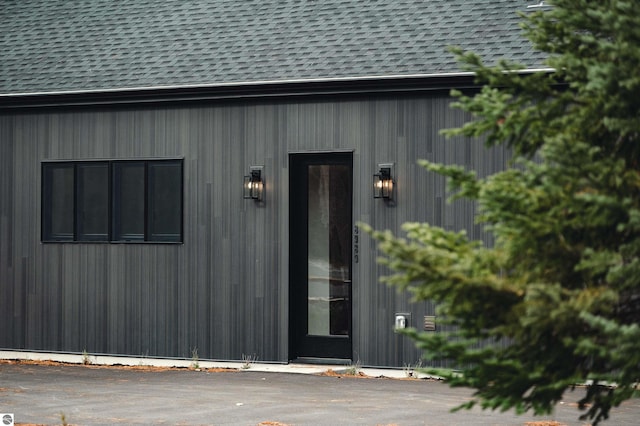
(7, 267)
(224, 291)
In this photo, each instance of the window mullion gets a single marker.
(76, 190)
(146, 201)
(110, 214)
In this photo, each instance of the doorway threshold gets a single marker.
(321, 361)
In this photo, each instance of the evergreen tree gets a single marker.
(556, 301)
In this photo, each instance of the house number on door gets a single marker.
(356, 244)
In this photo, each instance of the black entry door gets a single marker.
(320, 255)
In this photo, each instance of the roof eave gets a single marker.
(249, 89)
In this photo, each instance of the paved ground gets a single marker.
(98, 395)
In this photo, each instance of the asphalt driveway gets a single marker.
(90, 395)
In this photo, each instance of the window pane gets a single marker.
(128, 202)
(122, 200)
(165, 201)
(58, 202)
(93, 202)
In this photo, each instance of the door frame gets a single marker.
(302, 346)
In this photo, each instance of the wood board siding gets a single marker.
(224, 291)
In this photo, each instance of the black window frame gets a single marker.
(114, 204)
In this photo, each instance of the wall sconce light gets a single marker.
(383, 182)
(253, 184)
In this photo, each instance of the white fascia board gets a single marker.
(263, 83)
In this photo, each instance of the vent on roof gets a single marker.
(537, 6)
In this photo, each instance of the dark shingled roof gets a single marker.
(83, 45)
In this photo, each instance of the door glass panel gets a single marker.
(329, 255)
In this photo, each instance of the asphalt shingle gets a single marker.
(56, 45)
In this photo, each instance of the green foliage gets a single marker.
(195, 359)
(248, 361)
(556, 301)
(86, 358)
